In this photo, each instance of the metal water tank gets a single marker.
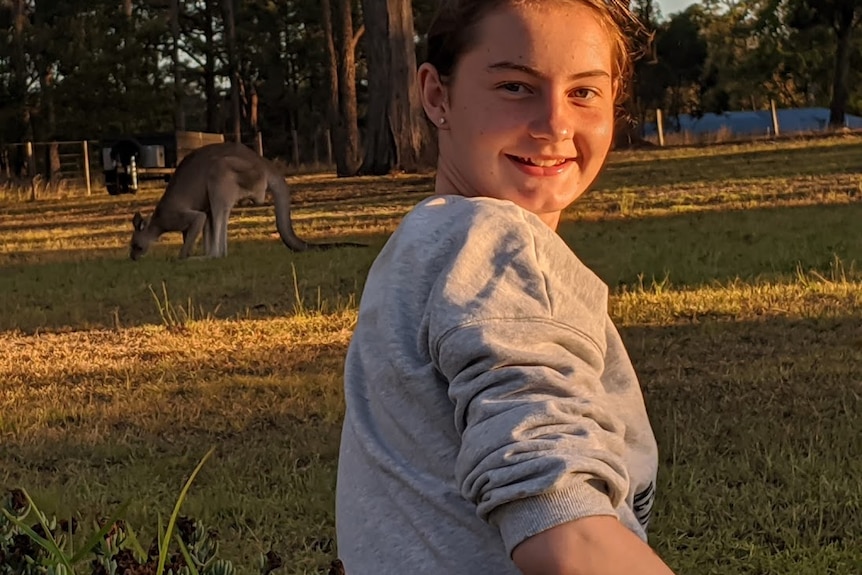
(107, 162)
(152, 157)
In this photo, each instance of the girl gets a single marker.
(494, 423)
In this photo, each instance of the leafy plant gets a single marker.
(46, 547)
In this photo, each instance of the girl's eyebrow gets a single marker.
(511, 66)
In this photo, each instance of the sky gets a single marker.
(669, 7)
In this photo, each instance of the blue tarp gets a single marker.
(754, 123)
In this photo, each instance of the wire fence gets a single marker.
(30, 171)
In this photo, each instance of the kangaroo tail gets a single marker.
(281, 196)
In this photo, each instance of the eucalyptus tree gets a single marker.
(233, 66)
(397, 136)
(176, 65)
(844, 18)
(341, 45)
(19, 73)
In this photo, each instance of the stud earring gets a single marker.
(442, 121)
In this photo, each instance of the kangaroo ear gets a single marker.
(139, 222)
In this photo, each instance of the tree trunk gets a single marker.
(405, 109)
(335, 127)
(379, 143)
(348, 116)
(253, 104)
(209, 71)
(49, 126)
(397, 135)
(233, 66)
(179, 113)
(843, 30)
(127, 9)
(19, 68)
(627, 135)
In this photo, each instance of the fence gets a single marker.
(38, 168)
(742, 126)
(33, 170)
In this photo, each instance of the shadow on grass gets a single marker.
(755, 422)
(257, 277)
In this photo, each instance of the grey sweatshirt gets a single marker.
(488, 397)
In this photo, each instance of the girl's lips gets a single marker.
(541, 171)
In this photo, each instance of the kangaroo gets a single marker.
(204, 188)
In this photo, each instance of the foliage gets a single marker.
(718, 56)
(47, 546)
(843, 18)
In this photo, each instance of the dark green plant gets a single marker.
(46, 546)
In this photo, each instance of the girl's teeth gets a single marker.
(543, 163)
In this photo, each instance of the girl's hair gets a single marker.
(453, 33)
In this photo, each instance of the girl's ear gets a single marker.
(435, 95)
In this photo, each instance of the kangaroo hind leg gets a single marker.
(209, 237)
(223, 195)
(195, 222)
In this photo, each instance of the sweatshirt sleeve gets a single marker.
(516, 326)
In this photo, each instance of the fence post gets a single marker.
(660, 126)
(775, 127)
(31, 162)
(31, 168)
(86, 165)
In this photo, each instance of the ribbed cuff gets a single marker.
(524, 518)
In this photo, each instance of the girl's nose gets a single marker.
(553, 120)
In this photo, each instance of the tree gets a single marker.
(342, 114)
(179, 114)
(20, 70)
(396, 134)
(744, 56)
(843, 17)
(46, 16)
(233, 67)
(199, 30)
(682, 53)
(648, 85)
(348, 116)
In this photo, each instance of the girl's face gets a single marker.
(529, 110)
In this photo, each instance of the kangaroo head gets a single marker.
(141, 238)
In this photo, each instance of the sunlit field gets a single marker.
(736, 280)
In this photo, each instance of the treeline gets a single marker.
(722, 55)
(302, 71)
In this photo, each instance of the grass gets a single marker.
(735, 282)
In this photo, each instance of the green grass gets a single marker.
(735, 280)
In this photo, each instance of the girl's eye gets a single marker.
(513, 88)
(584, 93)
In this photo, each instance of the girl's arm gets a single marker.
(596, 545)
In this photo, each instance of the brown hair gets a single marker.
(453, 32)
